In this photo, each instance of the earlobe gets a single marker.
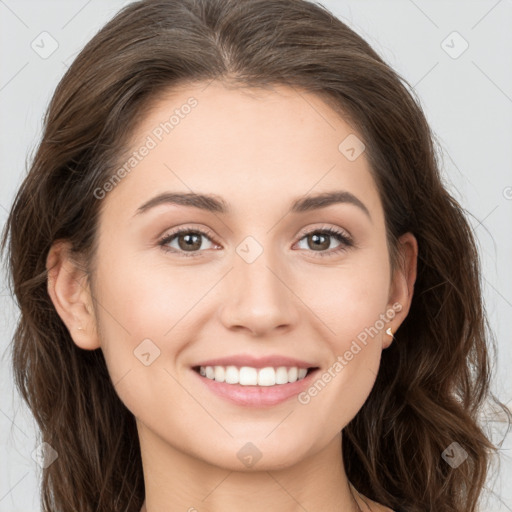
(69, 291)
(402, 286)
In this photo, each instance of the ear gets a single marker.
(402, 283)
(69, 290)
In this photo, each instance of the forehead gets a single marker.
(243, 144)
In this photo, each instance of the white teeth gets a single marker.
(220, 374)
(248, 376)
(282, 375)
(232, 376)
(266, 377)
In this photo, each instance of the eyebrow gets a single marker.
(215, 204)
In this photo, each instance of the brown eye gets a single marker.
(319, 241)
(189, 241)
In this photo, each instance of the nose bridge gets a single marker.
(260, 299)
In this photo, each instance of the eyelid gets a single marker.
(203, 231)
(324, 227)
(333, 231)
(187, 227)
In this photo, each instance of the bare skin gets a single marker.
(259, 150)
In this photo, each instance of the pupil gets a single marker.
(190, 242)
(316, 238)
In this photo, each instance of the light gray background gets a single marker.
(467, 100)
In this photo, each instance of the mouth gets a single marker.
(268, 376)
(255, 387)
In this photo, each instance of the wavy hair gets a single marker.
(435, 377)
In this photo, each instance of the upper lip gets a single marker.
(256, 362)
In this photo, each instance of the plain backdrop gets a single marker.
(457, 55)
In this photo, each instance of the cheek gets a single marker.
(144, 300)
(157, 301)
(147, 309)
(139, 312)
(348, 298)
(352, 308)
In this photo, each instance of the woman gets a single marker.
(241, 280)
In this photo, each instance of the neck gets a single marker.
(177, 481)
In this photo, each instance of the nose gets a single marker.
(259, 298)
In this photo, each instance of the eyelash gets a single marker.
(346, 241)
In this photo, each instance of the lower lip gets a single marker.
(257, 396)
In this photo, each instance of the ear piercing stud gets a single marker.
(389, 332)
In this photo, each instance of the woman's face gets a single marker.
(254, 280)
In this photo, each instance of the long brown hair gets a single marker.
(434, 378)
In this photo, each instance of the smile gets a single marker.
(255, 387)
(249, 376)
